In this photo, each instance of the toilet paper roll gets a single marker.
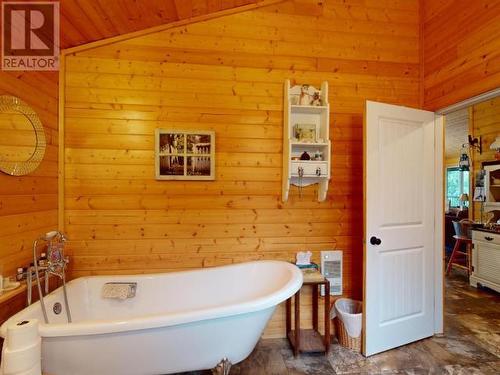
(22, 334)
(16, 362)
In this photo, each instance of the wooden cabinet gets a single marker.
(486, 260)
(492, 185)
(306, 139)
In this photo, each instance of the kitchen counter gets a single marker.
(494, 231)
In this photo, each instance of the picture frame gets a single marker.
(479, 194)
(305, 133)
(184, 155)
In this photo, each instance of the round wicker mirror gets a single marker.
(22, 138)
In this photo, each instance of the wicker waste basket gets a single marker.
(347, 315)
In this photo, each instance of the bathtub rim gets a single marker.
(97, 327)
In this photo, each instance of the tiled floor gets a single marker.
(471, 345)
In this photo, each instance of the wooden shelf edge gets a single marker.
(294, 108)
(311, 144)
(6, 296)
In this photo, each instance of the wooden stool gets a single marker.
(309, 340)
(459, 240)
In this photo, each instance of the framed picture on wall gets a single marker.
(184, 155)
(305, 133)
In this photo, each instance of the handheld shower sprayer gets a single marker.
(52, 234)
(55, 265)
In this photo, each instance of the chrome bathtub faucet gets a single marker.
(54, 264)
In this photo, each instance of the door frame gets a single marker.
(440, 123)
(439, 157)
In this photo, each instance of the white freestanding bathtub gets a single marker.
(181, 321)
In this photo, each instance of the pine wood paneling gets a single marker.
(461, 50)
(227, 75)
(84, 21)
(28, 204)
(486, 124)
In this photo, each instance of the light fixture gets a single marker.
(473, 143)
(496, 146)
(464, 162)
(464, 197)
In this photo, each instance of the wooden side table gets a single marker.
(309, 340)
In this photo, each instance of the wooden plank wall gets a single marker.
(486, 123)
(227, 75)
(28, 204)
(85, 21)
(461, 41)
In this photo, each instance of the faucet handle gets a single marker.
(54, 254)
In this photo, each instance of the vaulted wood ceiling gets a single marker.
(84, 21)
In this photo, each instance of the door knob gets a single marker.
(375, 241)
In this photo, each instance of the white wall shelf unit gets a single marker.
(306, 131)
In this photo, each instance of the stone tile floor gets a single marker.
(470, 345)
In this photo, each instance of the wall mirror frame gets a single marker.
(29, 161)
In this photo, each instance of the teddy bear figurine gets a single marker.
(316, 100)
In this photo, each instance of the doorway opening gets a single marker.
(471, 249)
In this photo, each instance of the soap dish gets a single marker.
(11, 286)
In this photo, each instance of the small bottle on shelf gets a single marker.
(42, 262)
(20, 273)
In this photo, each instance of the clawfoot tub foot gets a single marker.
(223, 367)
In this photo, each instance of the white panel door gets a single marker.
(399, 226)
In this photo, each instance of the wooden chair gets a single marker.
(462, 237)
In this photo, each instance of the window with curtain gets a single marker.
(457, 183)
